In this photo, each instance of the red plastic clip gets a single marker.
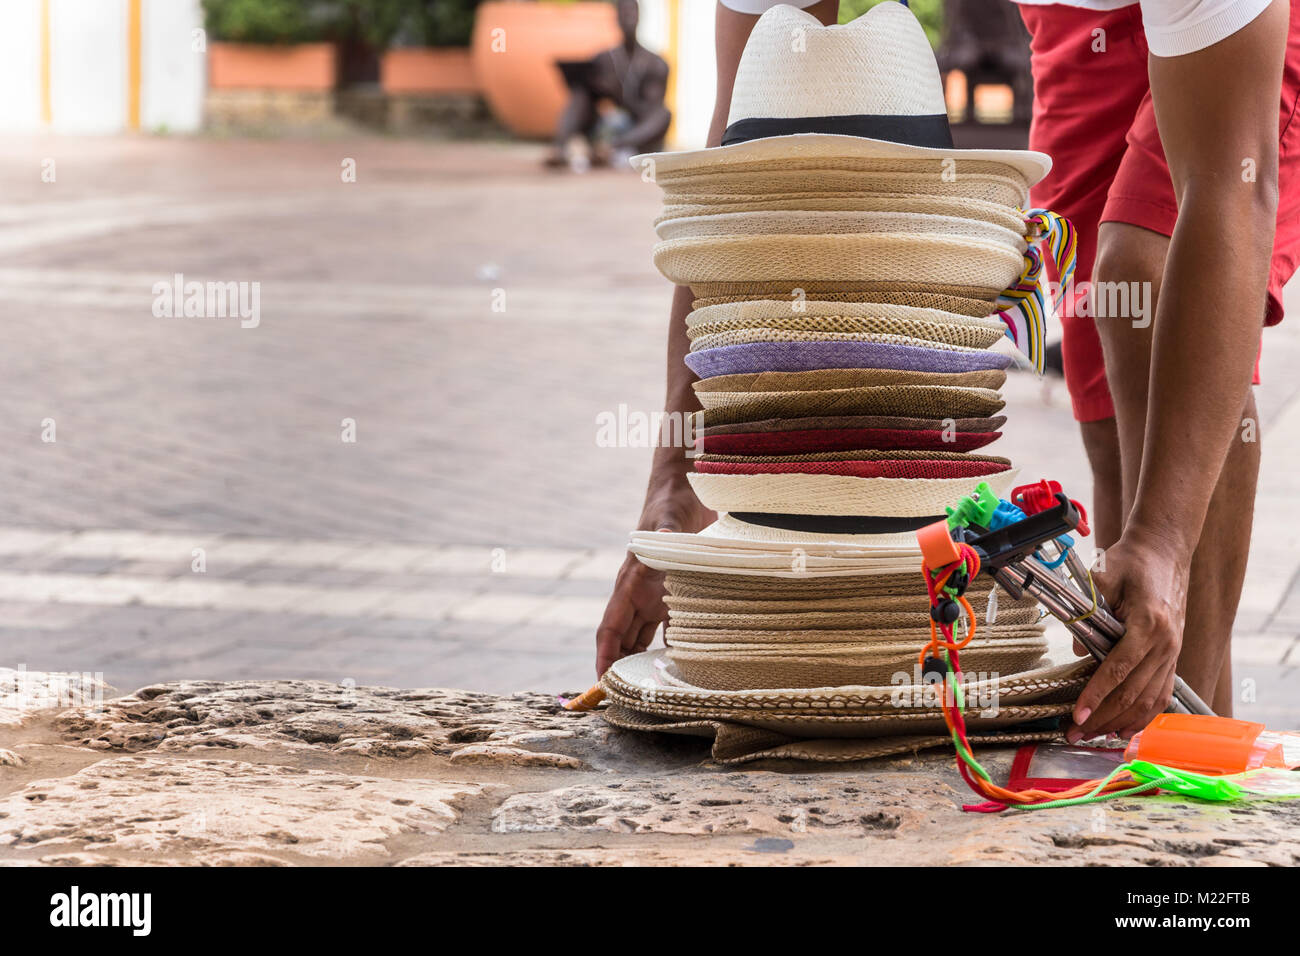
(1040, 496)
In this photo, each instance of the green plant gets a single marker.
(929, 12)
(385, 23)
(275, 21)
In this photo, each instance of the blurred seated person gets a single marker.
(629, 82)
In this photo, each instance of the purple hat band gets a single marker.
(810, 356)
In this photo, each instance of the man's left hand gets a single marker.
(1145, 584)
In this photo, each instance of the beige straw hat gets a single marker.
(946, 297)
(757, 312)
(801, 667)
(828, 223)
(850, 257)
(995, 213)
(790, 100)
(798, 494)
(849, 329)
(651, 678)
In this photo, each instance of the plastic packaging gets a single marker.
(1214, 745)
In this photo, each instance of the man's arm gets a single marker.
(636, 608)
(1217, 111)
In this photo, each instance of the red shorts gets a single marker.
(1093, 116)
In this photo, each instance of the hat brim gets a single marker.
(1034, 166)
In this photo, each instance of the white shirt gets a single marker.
(1173, 27)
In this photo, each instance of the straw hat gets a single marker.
(822, 223)
(959, 425)
(789, 179)
(996, 213)
(845, 378)
(851, 257)
(946, 297)
(736, 743)
(801, 356)
(761, 311)
(790, 99)
(805, 666)
(840, 329)
(808, 441)
(651, 679)
(838, 494)
(930, 401)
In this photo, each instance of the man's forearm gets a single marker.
(1207, 329)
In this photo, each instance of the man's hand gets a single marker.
(1145, 583)
(636, 608)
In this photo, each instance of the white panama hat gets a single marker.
(869, 88)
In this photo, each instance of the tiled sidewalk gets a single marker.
(469, 536)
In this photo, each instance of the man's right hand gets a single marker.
(636, 608)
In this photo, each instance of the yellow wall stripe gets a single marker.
(47, 108)
(133, 71)
(670, 54)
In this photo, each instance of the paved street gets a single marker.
(183, 497)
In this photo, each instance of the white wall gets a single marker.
(88, 65)
(20, 65)
(89, 61)
(174, 73)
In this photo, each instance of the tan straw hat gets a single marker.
(981, 210)
(817, 328)
(796, 494)
(919, 401)
(791, 100)
(850, 257)
(829, 223)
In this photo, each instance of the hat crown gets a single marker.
(880, 64)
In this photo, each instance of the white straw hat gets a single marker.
(867, 88)
(846, 257)
(808, 494)
(826, 223)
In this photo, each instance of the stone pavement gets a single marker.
(275, 773)
(199, 513)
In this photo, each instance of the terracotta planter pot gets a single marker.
(427, 70)
(258, 66)
(515, 46)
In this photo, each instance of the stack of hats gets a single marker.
(850, 272)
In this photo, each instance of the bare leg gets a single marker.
(1132, 254)
(1101, 442)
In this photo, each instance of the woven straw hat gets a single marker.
(855, 421)
(946, 297)
(736, 744)
(839, 328)
(803, 666)
(827, 223)
(929, 401)
(650, 678)
(996, 213)
(715, 586)
(853, 257)
(845, 378)
(894, 351)
(790, 99)
(758, 312)
(838, 494)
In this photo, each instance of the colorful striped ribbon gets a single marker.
(1024, 307)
